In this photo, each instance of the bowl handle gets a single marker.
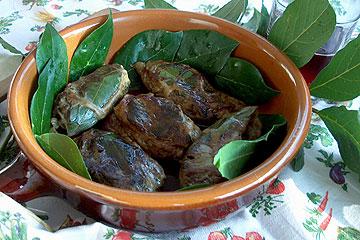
(21, 181)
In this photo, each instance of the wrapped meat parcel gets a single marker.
(86, 101)
(197, 166)
(187, 88)
(156, 124)
(113, 162)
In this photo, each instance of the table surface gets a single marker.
(286, 212)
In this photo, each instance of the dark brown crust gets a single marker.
(113, 162)
(156, 124)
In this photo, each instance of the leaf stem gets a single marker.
(314, 110)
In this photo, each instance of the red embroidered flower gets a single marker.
(275, 187)
(216, 236)
(122, 235)
(253, 236)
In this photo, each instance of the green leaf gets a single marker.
(92, 51)
(206, 51)
(158, 4)
(298, 162)
(145, 46)
(52, 65)
(63, 150)
(340, 80)
(9, 47)
(254, 23)
(314, 197)
(241, 79)
(299, 33)
(264, 22)
(192, 187)
(344, 125)
(52, 46)
(348, 233)
(232, 11)
(233, 157)
(43, 100)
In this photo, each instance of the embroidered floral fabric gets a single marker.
(322, 201)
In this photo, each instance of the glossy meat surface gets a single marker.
(113, 162)
(197, 165)
(84, 102)
(187, 88)
(156, 124)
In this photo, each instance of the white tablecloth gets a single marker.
(289, 210)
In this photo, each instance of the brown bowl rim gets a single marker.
(215, 194)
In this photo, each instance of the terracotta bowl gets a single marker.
(163, 211)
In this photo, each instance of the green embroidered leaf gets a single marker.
(145, 46)
(318, 132)
(206, 51)
(232, 11)
(340, 80)
(232, 158)
(254, 23)
(9, 47)
(158, 4)
(63, 150)
(299, 33)
(344, 125)
(264, 22)
(92, 51)
(314, 197)
(348, 233)
(298, 162)
(52, 65)
(243, 80)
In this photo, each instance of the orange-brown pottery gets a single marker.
(162, 211)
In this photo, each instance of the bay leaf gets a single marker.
(299, 160)
(63, 150)
(340, 80)
(145, 46)
(241, 79)
(264, 22)
(233, 157)
(299, 33)
(232, 11)
(205, 50)
(254, 23)
(9, 47)
(43, 99)
(92, 51)
(344, 125)
(52, 46)
(161, 4)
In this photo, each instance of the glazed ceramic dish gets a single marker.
(160, 211)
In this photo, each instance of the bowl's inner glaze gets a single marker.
(281, 73)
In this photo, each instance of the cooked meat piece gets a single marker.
(84, 102)
(113, 162)
(187, 88)
(197, 165)
(156, 124)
